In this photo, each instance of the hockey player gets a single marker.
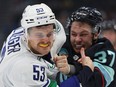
(23, 53)
(83, 33)
(108, 30)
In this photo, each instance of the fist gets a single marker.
(62, 64)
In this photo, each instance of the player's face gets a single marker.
(111, 35)
(40, 39)
(80, 36)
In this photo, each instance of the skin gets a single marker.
(85, 60)
(111, 35)
(40, 39)
(81, 36)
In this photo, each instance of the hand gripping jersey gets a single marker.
(21, 68)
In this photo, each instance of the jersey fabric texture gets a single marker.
(71, 82)
(103, 55)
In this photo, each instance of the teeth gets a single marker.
(43, 45)
(78, 46)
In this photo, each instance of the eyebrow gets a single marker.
(82, 31)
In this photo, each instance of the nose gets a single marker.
(45, 39)
(78, 38)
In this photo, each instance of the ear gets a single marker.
(95, 36)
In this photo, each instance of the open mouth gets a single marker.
(78, 46)
(43, 45)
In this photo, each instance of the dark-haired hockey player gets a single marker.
(82, 32)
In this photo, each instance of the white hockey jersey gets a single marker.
(21, 68)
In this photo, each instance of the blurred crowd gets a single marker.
(11, 11)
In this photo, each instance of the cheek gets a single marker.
(33, 42)
(72, 38)
(72, 41)
(87, 41)
(52, 39)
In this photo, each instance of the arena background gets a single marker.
(11, 10)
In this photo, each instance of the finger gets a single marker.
(54, 59)
(61, 58)
(79, 60)
(61, 65)
(61, 69)
(65, 69)
(82, 53)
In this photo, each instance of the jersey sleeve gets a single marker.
(71, 82)
(60, 38)
(104, 57)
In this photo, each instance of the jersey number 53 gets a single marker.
(39, 73)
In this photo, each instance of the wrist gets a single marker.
(72, 70)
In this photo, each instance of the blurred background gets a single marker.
(11, 11)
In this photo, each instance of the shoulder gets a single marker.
(13, 43)
(102, 44)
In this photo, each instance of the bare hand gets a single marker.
(62, 64)
(85, 60)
